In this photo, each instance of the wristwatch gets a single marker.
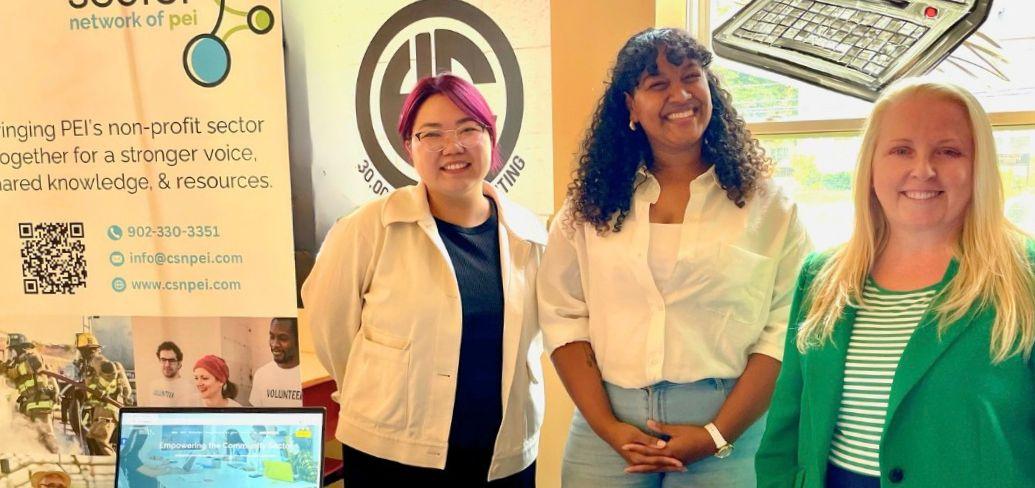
(724, 448)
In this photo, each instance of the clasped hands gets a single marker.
(646, 453)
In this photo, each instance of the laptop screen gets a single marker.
(239, 447)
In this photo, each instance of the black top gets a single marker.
(475, 253)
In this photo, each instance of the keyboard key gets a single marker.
(806, 48)
(873, 69)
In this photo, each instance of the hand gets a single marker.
(687, 443)
(621, 434)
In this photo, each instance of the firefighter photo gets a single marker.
(104, 397)
(90, 359)
(37, 392)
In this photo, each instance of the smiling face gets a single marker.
(208, 386)
(923, 165)
(673, 107)
(455, 171)
(283, 343)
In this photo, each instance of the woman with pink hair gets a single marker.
(422, 306)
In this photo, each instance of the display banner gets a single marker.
(355, 63)
(143, 159)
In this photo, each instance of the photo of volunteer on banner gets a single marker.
(217, 362)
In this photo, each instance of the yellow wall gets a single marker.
(670, 13)
(586, 36)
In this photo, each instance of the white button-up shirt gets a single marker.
(384, 307)
(728, 296)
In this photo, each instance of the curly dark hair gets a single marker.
(603, 184)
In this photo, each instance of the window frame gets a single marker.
(698, 23)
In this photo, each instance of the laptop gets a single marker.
(855, 47)
(244, 447)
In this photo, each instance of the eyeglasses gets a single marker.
(435, 140)
(170, 361)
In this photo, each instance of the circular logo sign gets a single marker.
(423, 39)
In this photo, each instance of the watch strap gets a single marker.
(717, 437)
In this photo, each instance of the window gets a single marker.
(813, 134)
(816, 171)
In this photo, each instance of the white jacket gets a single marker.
(384, 307)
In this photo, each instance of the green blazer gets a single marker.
(954, 419)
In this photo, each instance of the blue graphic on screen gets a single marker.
(220, 449)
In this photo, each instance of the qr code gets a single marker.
(53, 258)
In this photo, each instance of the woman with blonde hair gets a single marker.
(919, 330)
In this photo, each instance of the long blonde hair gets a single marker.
(994, 270)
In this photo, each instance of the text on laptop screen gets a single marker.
(220, 448)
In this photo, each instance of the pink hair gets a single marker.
(463, 94)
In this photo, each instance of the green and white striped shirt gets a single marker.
(882, 328)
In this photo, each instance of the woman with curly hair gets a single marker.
(665, 286)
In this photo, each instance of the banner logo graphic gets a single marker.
(423, 39)
(206, 59)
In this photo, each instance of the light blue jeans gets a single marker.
(589, 462)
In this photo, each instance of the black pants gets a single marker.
(464, 468)
(842, 478)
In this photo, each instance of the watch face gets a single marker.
(724, 451)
